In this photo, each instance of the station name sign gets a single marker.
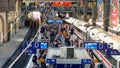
(101, 46)
(33, 47)
(96, 45)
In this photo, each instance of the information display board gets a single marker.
(43, 45)
(86, 61)
(34, 46)
(51, 61)
(96, 45)
(37, 45)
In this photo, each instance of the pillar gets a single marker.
(106, 14)
(1, 27)
(18, 12)
(3, 17)
(77, 8)
(85, 9)
(94, 12)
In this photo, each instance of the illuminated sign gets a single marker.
(90, 45)
(34, 46)
(37, 45)
(43, 45)
(62, 3)
(96, 45)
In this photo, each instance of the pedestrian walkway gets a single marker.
(10, 47)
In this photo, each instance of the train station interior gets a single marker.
(59, 34)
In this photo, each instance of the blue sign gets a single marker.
(26, 43)
(38, 45)
(86, 61)
(96, 45)
(51, 61)
(59, 66)
(30, 50)
(113, 52)
(68, 66)
(44, 45)
(103, 46)
(90, 45)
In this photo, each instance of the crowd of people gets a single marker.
(60, 35)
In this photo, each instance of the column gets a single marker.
(94, 12)
(78, 7)
(106, 14)
(18, 11)
(5, 32)
(85, 9)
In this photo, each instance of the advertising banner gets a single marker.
(119, 16)
(100, 10)
(62, 3)
(114, 13)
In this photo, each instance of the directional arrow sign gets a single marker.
(86, 61)
(51, 61)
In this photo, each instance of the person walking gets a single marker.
(34, 60)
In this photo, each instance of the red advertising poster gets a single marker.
(62, 3)
(114, 13)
